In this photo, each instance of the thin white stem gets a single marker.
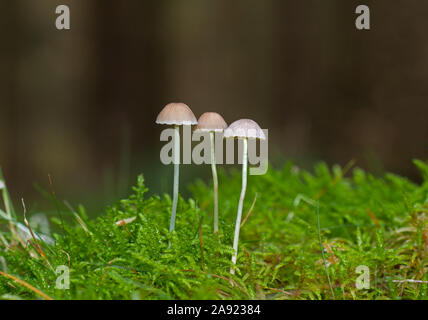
(410, 280)
(241, 202)
(176, 176)
(215, 181)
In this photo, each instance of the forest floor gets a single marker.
(333, 233)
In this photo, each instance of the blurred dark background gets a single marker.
(81, 104)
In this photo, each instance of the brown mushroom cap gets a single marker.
(176, 113)
(211, 121)
(244, 128)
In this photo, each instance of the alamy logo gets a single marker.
(363, 20)
(362, 281)
(63, 280)
(62, 22)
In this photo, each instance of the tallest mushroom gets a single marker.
(212, 122)
(177, 114)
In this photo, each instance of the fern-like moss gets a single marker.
(380, 223)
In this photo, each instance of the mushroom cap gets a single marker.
(211, 121)
(176, 113)
(244, 128)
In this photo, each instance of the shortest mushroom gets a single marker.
(242, 129)
(176, 114)
(212, 122)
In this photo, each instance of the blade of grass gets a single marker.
(38, 248)
(322, 250)
(251, 210)
(6, 198)
(55, 200)
(201, 244)
(8, 205)
(78, 218)
(26, 284)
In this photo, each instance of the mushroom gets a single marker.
(212, 122)
(242, 129)
(176, 114)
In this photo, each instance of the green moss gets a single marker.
(377, 222)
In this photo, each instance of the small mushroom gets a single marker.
(242, 129)
(176, 114)
(212, 122)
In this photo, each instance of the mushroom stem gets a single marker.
(176, 176)
(215, 181)
(241, 202)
